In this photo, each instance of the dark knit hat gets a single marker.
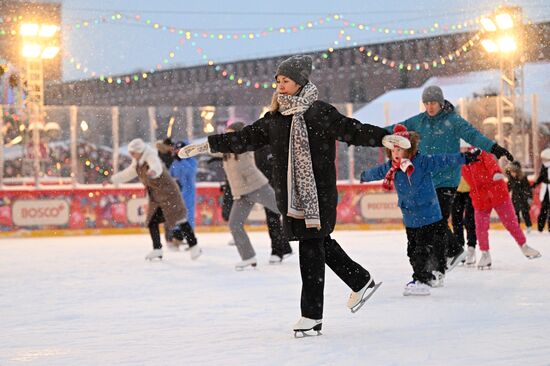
(297, 68)
(433, 93)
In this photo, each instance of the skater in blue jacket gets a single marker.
(185, 173)
(411, 173)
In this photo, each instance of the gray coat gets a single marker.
(243, 175)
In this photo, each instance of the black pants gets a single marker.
(522, 208)
(544, 214)
(445, 196)
(423, 244)
(183, 231)
(463, 217)
(314, 253)
(279, 242)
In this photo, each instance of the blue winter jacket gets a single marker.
(185, 173)
(441, 134)
(416, 194)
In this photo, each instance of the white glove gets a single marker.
(192, 150)
(390, 140)
(498, 176)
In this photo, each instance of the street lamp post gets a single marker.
(504, 35)
(37, 46)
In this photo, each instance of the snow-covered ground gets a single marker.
(95, 301)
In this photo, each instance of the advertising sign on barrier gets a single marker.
(40, 212)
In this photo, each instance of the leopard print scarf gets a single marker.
(303, 202)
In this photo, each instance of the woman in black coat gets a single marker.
(303, 130)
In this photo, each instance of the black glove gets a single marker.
(499, 152)
(471, 156)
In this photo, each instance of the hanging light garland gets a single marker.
(307, 25)
(232, 76)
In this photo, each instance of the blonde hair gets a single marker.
(274, 106)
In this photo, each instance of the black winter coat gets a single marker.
(325, 125)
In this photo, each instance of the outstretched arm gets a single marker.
(435, 163)
(250, 138)
(376, 173)
(125, 175)
(351, 130)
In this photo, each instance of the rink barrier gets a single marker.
(96, 209)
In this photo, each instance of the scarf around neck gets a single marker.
(303, 202)
(404, 164)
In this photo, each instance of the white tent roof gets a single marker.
(401, 104)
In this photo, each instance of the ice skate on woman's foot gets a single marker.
(416, 288)
(439, 279)
(529, 252)
(251, 262)
(195, 251)
(155, 254)
(485, 260)
(470, 257)
(452, 262)
(306, 324)
(357, 299)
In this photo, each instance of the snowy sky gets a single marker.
(129, 44)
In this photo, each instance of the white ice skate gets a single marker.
(529, 252)
(528, 229)
(439, 280)
(251, 262)
(195, 251)
(275, 259)
(485, 260)
(470, 257)
(452, 262)
(304, 325)
(357, 299)
(416, 288)
(155, 254)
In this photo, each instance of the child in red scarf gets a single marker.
(411, 173)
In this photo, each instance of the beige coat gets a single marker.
(162, 190)
(243, 175)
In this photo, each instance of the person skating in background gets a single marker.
(280, 247)
(185, 173)
(489, 191)
(248, 186)
(544, 193)
(463, 215)
(441, 129)
(411, 173)
(522, 196)
(301, 132)
(166, 151)
(164, 198)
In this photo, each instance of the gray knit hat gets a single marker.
(297, 68)
(433, 93)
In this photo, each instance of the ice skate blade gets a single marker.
(152, 259)
(304, 334)
(366, 296)
(416, 294)
(534, 256)
(242, 268)
(481, 268)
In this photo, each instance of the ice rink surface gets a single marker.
(95, 301)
